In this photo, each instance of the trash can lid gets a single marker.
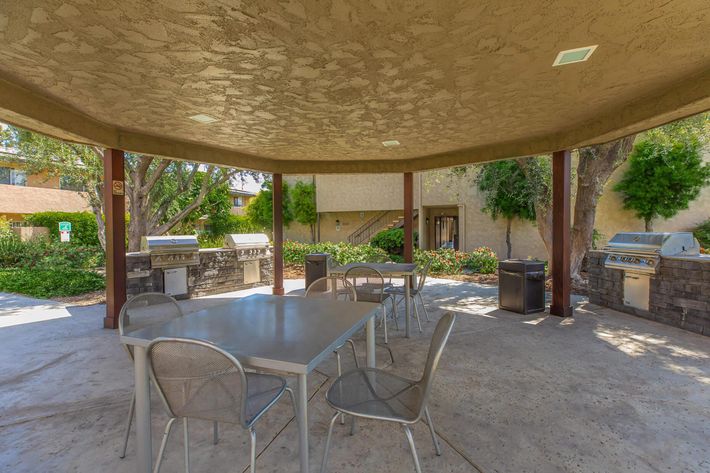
(317, 256)
(521, 265)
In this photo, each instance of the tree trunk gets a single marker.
(507, 238)
(596, 165)
(543, 207)
(648, 224)
(313, 233)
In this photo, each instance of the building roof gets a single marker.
(242, 192)
(316, 86)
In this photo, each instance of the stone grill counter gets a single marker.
(679, 292)
(219, 270)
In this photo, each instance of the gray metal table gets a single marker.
(273, 333)
(397, 270)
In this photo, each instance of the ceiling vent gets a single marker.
(202, 118)
(571, 56)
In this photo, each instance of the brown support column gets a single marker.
(408, 217)
(561, 282)
(278, 235)
(115, 216)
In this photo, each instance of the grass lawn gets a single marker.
(48, 283)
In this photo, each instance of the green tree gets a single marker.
(666, 171)
(161, 192)
(260, 209)
(506, 193)
(303, 202)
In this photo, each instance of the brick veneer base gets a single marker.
(219, 271)
(679, 291)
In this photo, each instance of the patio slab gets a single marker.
(601, 392)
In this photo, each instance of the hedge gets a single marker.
(83, 225)
(448, 261)
(44, 283)
(342, 253)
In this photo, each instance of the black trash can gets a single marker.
(521, 285)
(316, 267)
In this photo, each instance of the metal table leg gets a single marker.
(370, 334)
(144, 447)
(407, 303)
(302, 415)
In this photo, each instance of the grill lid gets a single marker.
(664, 244)
(169, 244)
(246, 240)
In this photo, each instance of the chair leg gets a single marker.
(161, 451)
(410, 439)
(432, 431)
(340, 373)
(352, 346)
(394, 313)
(327, 442)
(186, 440)
(384, 321)
(416, 314)
(293, 401)
(252, 462)
(131, 410)
(426, 312)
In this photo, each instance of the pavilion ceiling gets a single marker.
(316, 86)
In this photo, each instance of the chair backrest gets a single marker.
(146, 309)
(199, 380)
(332, 287)
(368, 282)
(423, 274)
(436, 348)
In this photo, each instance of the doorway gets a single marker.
(446, 232)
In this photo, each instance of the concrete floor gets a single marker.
(601, 392)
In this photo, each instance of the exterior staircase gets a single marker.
(382, 221)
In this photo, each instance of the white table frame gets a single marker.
(141, 338)
(396, 270)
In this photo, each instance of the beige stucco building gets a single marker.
(23, 194)
(448, 212)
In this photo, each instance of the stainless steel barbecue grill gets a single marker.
(171, 251)
(639, 256)
(642, 252)
(251, 248)
(173, 254)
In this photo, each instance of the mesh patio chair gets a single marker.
(139, 312)
(369, 286)
(335, 288)
(198, 380)
(415, 293)
(375, 394)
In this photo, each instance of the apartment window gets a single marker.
(70, 184)
(13, 177)
(239, 201)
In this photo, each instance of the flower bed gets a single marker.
(447, 261)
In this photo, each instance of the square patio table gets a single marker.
(396, 270)
(270, 333)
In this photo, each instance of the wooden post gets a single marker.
(561, 282)
(408, 217)
(115, 216)
(278, 235)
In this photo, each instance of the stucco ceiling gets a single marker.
(316, 85)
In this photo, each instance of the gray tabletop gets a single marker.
(291, 334)
(396, 269)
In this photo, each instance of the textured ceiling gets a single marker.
(317, 85)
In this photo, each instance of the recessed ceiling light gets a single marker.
(571, 56)
(390, 143)
(202, 118)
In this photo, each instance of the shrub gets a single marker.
(482, 260)
(448, 261)
(702, 233)
(392, 240)
(43, 253)
(342, 253)
(45, 283)
(5, 230)
(231, 224)
(83, 225)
